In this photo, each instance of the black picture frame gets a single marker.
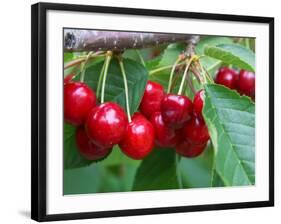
(39, 122)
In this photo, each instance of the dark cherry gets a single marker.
(79, 99)
(164, 136)
(68, 78)
(195, 131)
(87, 148)
(246, 83)
(176, 110)
(106, 124)
(189, 150)
(227, 77)
(151, 100)
(198, 103)
(138, 140)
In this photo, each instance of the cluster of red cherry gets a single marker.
(177, 121)
(167, 120)
(243, 82)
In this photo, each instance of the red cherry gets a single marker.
(106, 124)
(186, 149)
(68, 78)
(138, 139)
(164, 136)
(246, 83)
(151, 100)
(227, 77)
(87, 148)
(176, 110)
(198, 103)
(79, 99)
(195, 131)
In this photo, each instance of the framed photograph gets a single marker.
(138, 111)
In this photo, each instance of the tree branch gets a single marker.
(91, 40)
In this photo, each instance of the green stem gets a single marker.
(126, 89)
(107, 61)
(152, 72)
(206, 75)
(140, 57)
(83, 67)
(189, 82)
(100, 79)
(185, 74)
(178, 171)
(172, 74)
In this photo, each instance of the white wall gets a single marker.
(15, 110)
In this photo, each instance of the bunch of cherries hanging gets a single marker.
(165, 120)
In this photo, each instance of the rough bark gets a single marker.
(91, 40)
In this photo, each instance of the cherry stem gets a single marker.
(175, 81)
(206, 75)
(189, 81)
(140, 57)
(100, 79)
(188, 63)
(172, 74)
(152, 72)
(82, 59)
(83, 67)
(126, 88)
(107, 62)
(196, 74)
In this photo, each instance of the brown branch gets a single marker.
(91, 40)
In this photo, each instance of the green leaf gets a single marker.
(233, 54)
(81, 180)
(197, 172)
(117, 157)
(68, 57)
(137, 76)
(72, 158)
(157, 171)
(231, 122)
(216, 180)
(170, 55)
(153, 63)
(209, 63)
(118, 178)
(211, 41)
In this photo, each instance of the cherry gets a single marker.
(164, 136)
(195, 131)
(87, 148)
(106, 124)
(198, 103)
(68, 78)
(176, 110)
(187, 149)
(227, 77)
(151, 100)
(246, 83)
(138, 139)
(79, 99)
